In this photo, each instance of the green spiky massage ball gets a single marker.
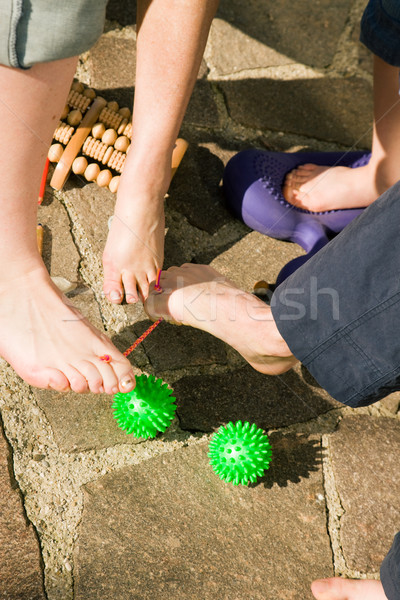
(147, 409)
(239, 453)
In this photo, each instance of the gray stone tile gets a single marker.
(121, 11)
(171, 347)
(276, 33)
(169, 528)
(253, 258)
(337, 110)
(202, 110)
(82, 422)
(112, 68)
(20, 561)
(93, 206)
(205, 402)
(392, 402)
(364, 56)
(59, 251)
(365, 457)
(195, 190)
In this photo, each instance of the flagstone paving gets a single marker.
(88, 512)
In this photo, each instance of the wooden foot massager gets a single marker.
(93, 139)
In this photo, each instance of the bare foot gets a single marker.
(199, 296)
(51, 345)
(336, 588)
(317, 188)
(135, 244)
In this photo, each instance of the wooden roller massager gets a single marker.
(93, 138)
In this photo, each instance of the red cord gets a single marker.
(43, 182)
(153, 326)
(142, 337)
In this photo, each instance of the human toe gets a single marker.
(93, 376)
(143, 285)
(130, 287)
(52, 379)
(117, 373)
(113, 291)
(77, 380)
(328, 589)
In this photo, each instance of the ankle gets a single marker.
(263, 335)
(23, 269)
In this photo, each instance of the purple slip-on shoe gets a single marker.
(252, 185)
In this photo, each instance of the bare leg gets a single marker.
(348, 589)
(171, 38)
(199, 296)
(324, 188)
(47, 342)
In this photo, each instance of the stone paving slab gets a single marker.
(207, 401)
(275, 34)
(253, 258)
(172, 529)
(121, 11)
(21, 575)
(59, 251)
(108, 52)
(171, 347)
(365, 457)
(82, 422)
(334, 109)
(195, 191)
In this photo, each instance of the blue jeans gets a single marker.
(340, 316)
(34, 31)
(380, 30)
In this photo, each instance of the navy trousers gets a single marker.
(340, 315)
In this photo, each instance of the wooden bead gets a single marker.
(55, 152)
(113, 185)
(98, 130)
(65, 112)
(89, 93)
(77, 100)
(77, 86)
(113, 105)
(128, 131)
(104, 178)
(122, 143)
(125, 112)
(74, 117)
(79, 165)
(92, 171)
(63, 133)
(109, 137)
(110, 118)
(122, 126)
(107, 155)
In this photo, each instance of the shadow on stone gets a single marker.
(206, 402)
(334, 109)
(195, 191)
(121, 11)
(169, 347)
(294, 457)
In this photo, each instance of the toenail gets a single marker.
(115, 390)
(101, 390)
(114, 295)
(126, 382)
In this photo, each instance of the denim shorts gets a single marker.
(34, 31)
(380, 30)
